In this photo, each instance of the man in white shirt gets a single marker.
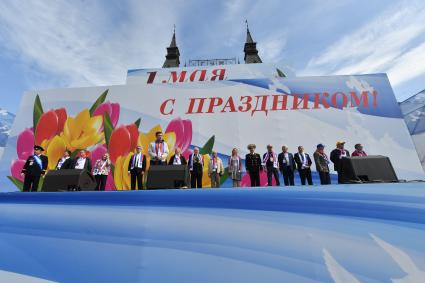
(303, 162)
(158, 150)
(83, 162)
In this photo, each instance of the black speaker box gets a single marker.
(167, 177)
(374, 168)
(68, 180)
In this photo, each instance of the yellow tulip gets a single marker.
(82, 131)
(121, 178)
(206, 181)
(55, 149)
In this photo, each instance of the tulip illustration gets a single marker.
(121, 177)
(16, 168)
(55, 151)
(25, 144)
(183, 131)
(82, 131)
(113, 110)
(51, 123)
(24, 148)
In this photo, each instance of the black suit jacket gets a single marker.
(182, 159)
(197, 167)
(283, 166)
(335, 158)
(67, 164)
(253, 162)
(299, 162)
(32, 168)
(137, 169)
(87, 165)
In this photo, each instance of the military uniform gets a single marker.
(34, 168)
(253, 166)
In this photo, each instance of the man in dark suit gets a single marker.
(271, 165)
(65, 162)
(336, 155)
(83, 162)
(253, 165)
(137, 168)
(196, 168)
(303, 162)
(177, 158)
(34, 168)
(287, 166)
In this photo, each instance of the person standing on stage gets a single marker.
(358, 150)
(303, 162)
(65, 162)
(336, 157)
(137, 168)
(253, 165)
(215, 169)
(158, 150)
(177, 158)
(322, 164)
(235, 168)
(83, 162)
(287, 166)
(196, 168)
(271, 164)
(101, 170)
(34, 168)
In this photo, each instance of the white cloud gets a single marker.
(385, 44)
(82, 43)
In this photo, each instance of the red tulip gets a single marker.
(119, 143)
(51, 123)
(134, 135)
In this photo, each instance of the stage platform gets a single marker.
(337, 233)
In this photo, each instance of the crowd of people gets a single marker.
(285, 163)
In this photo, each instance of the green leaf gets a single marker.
(107, 127)
(98, 101)
(16, 182)
(208, 146)
(224, 177)
(38, 111)
(137, 123)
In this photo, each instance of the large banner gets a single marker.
(220, 114)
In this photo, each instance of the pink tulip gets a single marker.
(98, 152)
(183, 131)
(246, 181)
(25, 144)
(113, 109)
(110, 184)
(16, 168)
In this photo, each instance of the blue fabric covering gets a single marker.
(301, 234)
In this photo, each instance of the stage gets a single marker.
(337, 233)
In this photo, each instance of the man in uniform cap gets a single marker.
(34, 168)
(336, 155)
(253, 165)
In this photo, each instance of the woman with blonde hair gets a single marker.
(235, 168)
(101, 170)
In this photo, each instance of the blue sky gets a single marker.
(51, 44)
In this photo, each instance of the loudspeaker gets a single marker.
(167, 177)
(373, 168)
(68, 180)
